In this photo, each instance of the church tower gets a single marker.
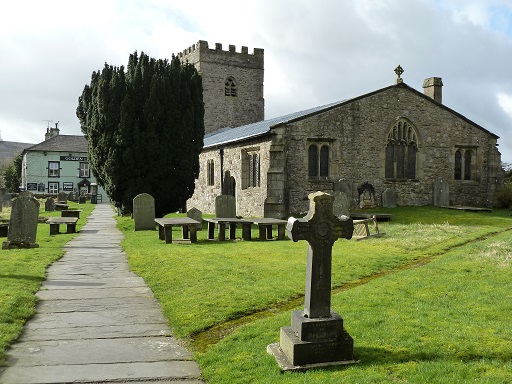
(232, 84)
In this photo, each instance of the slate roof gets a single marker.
(244, 132)
(61, 143)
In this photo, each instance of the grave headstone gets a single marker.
(144, 212)
(23, 223)
(82, 199)
(441, 193)
(49, 204)
(341, 205)
(7, 200)
(389, 198)
(366, 195)
(225, 206)
(316, 335)
(197, 215)
(62, 197)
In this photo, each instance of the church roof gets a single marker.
(61, 143)
(232, 135)
(244, 132)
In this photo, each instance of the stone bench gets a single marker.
(188, 226)
(55, 223)
(265, 227)
(232, 223)
(70, 213)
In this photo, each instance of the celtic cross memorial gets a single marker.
(316, 336)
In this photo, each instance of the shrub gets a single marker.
(504, 196)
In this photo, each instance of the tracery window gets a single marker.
(401, 151)
(230, 87)
(318, 165)
(250, 168)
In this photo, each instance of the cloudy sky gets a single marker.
(316, 51)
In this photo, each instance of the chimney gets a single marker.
(433, 88)
(51, 132)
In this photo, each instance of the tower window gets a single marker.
(230, 87)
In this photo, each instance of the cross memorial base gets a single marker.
(313, 343)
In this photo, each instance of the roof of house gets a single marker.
(244, 132)
(61, 143)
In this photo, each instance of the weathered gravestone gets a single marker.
(7, 200)
(441, 193)
(316, 336)
(62, 197)
(341, 205)
(49, 205)
(144, 212)
(197, 215)
(23, 223)
(225, 206)
(389, 198)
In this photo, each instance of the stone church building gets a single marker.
(394, 139)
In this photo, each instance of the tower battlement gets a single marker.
(203, 47)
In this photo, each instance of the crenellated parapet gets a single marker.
(202, 52)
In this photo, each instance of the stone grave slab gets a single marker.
(144, 212)
(23, 223)
(389, 198)
(441, 193)
(196, 215)
(225, 206)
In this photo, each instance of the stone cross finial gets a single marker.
(399, 70)
(320, 228)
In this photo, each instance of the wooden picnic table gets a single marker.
(265, 227)
(188, 226)
(70, 213)
(221, 222)
(55, 223)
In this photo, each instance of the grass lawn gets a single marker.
(23, 270)
(428, 302)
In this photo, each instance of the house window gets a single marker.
(464, 164)
(401, 151)
(318, 165)
(210, 172)
(53, 169)
(230, 87)
(53, 187)
(84, 170)
(250, 169)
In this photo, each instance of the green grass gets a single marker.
(427, 302)
(22, 272)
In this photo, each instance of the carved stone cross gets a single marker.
(320, 228)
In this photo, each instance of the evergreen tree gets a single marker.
(145, 130)
(12, 175)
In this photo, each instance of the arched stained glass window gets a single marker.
(401, 151)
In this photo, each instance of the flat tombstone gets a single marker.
(441, 193)
(341, 205)
(197, 215)
(225, 206)
(23, 223)
(62, 196)
(389, 198)
(49, 205)
(144, 212)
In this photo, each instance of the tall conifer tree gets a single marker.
(145, 130)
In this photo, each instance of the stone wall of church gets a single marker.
(249, 200)
(356, 133)
(216, 66)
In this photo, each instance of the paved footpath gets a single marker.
(96, 321)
